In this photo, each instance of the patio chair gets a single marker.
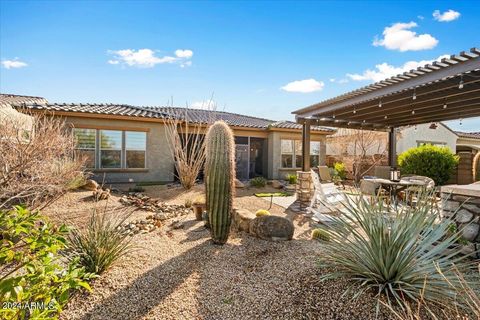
(325, 199)
(382, 172)
(373, 190)
(427, 184)
(324, 173)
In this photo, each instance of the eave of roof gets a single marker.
(162, 113)
(394, 92)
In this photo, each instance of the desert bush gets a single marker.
(431, 161)
(258, 182)
(30, 267)
(262, 212)
(188, 203)
(320, 234)
(291, 178)
(101, 242)
(395, 252)
(38, 167)
(200, 200)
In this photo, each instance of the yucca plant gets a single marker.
(394, 251)
(101, 242)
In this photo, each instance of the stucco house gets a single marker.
(130, 143)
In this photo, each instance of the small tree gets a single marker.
(431, 161)
(37, 162)
(359, 150)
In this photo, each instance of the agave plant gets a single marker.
(401, 253)
(102, 242)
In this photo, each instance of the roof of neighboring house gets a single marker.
(14, 99)
(193, 115)
(471, 135)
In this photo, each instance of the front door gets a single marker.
(241, 160)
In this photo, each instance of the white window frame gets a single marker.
(294, 154)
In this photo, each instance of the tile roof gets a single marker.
(472, 135)
(193, 115)
(14, 99)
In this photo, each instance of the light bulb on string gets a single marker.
(380, 103)
(414, 94)
(445, 105)
(460, 85)
(413, 112)
(354, 110)
(461, 121)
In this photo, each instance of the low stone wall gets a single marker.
(462, 203)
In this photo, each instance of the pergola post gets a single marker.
(306, 146)
(392, 148)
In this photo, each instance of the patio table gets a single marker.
(394, 187)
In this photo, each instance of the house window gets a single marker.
(291, 153)
(110, 149)
(86, 139)
(314, 153)
(135, 147)
(287, 153)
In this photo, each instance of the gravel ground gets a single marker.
(179, 274)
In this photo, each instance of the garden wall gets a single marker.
(463, 204)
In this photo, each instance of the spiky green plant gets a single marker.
(219, 179)
(101, 242)
(395, 252)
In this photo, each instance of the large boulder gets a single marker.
(239, 184)
(272, 228)
(277, 184)
(241, 219)
(91, 185)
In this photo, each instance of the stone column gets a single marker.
(304, 186)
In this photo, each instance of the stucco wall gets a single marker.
(409, 137)
(159, 158)
(275, 170)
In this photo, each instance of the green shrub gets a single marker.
(101, 243)
(320, 234)
(434, 162)
(339, 170)
(137, 188)
(30, 267)
(78, 181)
(262, 212)
(258, 182)
(291, 178)
(403, 254)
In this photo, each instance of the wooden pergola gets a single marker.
(444, 90)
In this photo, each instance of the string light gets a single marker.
(333, 116)
(386, 117)
(414, 94)
(461, 121)
(460, 85)
(445, 105)
(354, 110)
(415, 127)
(413, 112)
(380, 103)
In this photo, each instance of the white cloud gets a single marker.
(340, 81)
(13, 64)
(400, 37)
(147, 58)
(304, 86)
(385, 70)
(205, 104)
(447, 16)
(184, 53)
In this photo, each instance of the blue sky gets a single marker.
(259, 58)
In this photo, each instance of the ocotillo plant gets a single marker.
(219, 179)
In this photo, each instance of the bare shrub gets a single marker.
(359, 150)
(37, 162)
(187, 144)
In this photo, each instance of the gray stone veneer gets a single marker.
(462, 203)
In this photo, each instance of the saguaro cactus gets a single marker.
(219, 179)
